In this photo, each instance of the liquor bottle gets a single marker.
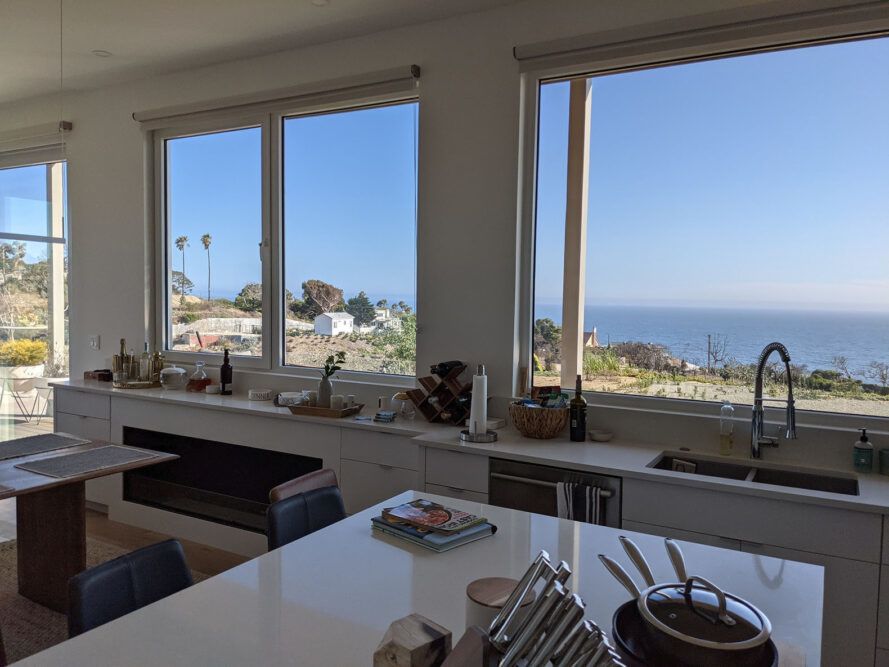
(145, 364)
(577, 412)
(225, 375)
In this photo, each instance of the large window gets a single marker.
(730, 203)
(33, 274)
(291, 236)
(350, 238)
(213, 235)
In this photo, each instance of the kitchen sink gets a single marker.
(704, 467)
(806, 480)
(797, 479)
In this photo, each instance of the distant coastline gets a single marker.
(814, 338)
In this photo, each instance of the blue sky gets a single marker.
(754, 181)
(349, 203)
(24, 206)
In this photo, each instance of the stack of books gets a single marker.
(431, 525)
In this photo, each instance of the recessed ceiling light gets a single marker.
(320, 3)
(101, 53)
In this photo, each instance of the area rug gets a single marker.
(28, 627)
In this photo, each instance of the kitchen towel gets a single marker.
(579, 502)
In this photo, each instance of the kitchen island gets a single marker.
(328, 598)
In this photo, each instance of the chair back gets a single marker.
(316, 479)
(300, 515)
(125, 584)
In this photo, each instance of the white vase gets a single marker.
(325, 391)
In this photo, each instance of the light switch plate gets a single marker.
(95, 342)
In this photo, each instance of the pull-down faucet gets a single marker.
(758, 438)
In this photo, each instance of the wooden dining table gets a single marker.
(51, 519)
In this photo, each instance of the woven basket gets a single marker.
(540, 423)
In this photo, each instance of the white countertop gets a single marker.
(240, 403)
(328, 598)
(632, 459)
(623, 458)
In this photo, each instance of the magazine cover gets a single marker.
(427, 515)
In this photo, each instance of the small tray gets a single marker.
(136, 384)
(325, 412)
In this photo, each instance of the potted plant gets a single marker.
(22, 359)
(325, 388)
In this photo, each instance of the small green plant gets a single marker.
(22, 352)
(333, 363)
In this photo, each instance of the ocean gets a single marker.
(813, 338)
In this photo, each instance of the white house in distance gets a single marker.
(333, 324)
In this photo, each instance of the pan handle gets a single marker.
(713, 588)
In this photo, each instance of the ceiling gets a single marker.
(152, 37)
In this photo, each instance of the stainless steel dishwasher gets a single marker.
(532, 488)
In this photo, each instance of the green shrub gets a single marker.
(600, 361)
(22, 352)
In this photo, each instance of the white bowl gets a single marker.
(598, 435)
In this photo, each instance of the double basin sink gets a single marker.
(786, 477)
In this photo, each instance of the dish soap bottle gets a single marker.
(863, 453)
(726, 429)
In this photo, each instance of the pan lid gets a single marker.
(700, 613)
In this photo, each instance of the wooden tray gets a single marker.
(136, 384)
(326, 412)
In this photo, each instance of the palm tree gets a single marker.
(206, 240)
(182, 244)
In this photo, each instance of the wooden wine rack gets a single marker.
(437, 398)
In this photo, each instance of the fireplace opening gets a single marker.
(217, 481)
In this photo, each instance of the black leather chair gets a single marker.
(302, 514)
(130, 582)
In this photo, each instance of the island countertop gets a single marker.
(328, 598)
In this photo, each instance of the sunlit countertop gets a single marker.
(328, 598)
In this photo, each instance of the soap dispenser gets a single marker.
(863, 453)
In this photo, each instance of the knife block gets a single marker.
(473, 650)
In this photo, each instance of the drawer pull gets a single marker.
(454, 488)
(385, 467)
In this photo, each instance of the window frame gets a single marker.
(654, 56)
(270, 119)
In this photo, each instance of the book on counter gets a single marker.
(431, 525)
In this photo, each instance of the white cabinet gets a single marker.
(82, 403)
(462, 494)
(796, 525)
(457, 470)
(364, 484)
(87, 416)
(392, 450)
(83, 427)
(850, 603)
(686, 535)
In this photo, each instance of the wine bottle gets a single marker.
(577, 412)
(225, 375)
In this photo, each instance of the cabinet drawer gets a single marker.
(882, 658)
(83, 427)
(849, 622)
(82, 403)
(366, 484)
(684, 535)
(370, 447)
(105, 490)
(462, 494)
(813, 528)
(457, 470)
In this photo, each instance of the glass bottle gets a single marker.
(198, 380)
(726, 429)
(225, 375)
(145, 364)
(577, 412)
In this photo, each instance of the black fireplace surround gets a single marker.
(215, 481)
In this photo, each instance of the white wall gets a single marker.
(469, 124)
